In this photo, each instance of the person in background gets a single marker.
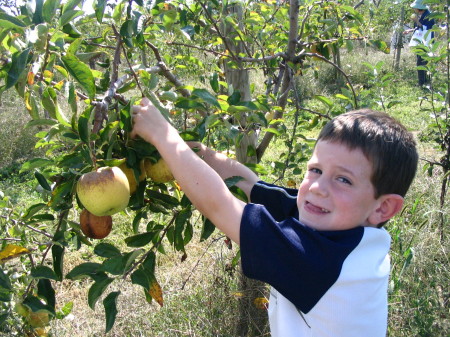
(422, 21)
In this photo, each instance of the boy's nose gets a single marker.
(319, 187)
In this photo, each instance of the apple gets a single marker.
(414, 16)
(21, 309)
(41, 332)
(129, 172)
(105, 191)
(269, 115)
(38, 319)
(93, 226)
(158, 172)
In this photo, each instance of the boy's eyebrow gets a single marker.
(340, 167)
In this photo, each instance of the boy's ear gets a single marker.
(389, 205)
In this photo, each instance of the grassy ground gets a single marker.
(201, 294)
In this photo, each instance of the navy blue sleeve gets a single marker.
(279, 201)
(299, 262)
(426, 21)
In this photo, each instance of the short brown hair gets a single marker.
(384, 141)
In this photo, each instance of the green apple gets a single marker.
(105, 191)
(21, 309)
(129, 172)
(38, 319)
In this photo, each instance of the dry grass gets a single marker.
(200, 297)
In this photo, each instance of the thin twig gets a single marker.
(154, 247)
(199, 259)
(338, 68)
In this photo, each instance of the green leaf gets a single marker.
(5, 287)
(71, 30)
(126, 30)
(31, 105)
(43, 272)
(35, 163)
(207, 229)
(49, 9)
(41, 122)
(231, 181)
(214, 82)
(83, 270)
(149, 263)
(141, 278)
(84, 129)
(81, 72)
(206, 96)
(72, 97)
(274, 131)
(35, 304)
(3, 317)
(65, 310)
(99, 6)
(180, 222)
(11, 22)
(324, 100)
(68, 16)
(32, 210)
(342, 97)
(380, 45)
(42, 217)
(106, 250)
(166, 200)
(70, 5)
(139, 240)
(110, 309)
(42, 181)
(18, 64)
(58, 260)
(130, 257)
(37, 16)
(46, 291)
(97, 289)
(117, 13)
(114, 265)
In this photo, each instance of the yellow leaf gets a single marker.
(155, 292)
(261, 303)
(291, 183)
(12, 251)
(30, 78)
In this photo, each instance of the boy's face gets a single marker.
(336, 192)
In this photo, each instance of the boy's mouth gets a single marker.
(315, 209)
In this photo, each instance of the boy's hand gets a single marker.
(147, 121)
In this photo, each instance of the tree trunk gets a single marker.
(252, 321)
(399, 40)
(337, 61)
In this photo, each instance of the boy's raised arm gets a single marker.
(226, 167)
(201, 183)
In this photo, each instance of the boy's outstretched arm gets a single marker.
(201, 183)
(226, 167)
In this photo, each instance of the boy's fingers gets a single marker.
(145, 101)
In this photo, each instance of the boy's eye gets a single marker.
(315, 170)
(344, 180)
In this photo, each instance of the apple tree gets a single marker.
(79, 72)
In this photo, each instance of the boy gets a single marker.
(320, 248)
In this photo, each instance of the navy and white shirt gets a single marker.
(324, 283)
